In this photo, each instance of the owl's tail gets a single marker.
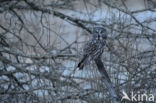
(82, 63)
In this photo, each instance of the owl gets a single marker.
(94, 46)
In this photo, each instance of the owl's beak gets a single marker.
(98, 36)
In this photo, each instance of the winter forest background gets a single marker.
(41, 42)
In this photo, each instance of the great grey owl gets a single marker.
(94, 47)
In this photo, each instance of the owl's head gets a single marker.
(100, 31)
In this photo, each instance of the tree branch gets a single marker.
(107, 80)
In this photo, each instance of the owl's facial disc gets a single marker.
(100, 31)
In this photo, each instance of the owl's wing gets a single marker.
(82, 62)
(91, 47)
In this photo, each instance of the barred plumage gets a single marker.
(94, 47)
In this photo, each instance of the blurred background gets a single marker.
(41, 43)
